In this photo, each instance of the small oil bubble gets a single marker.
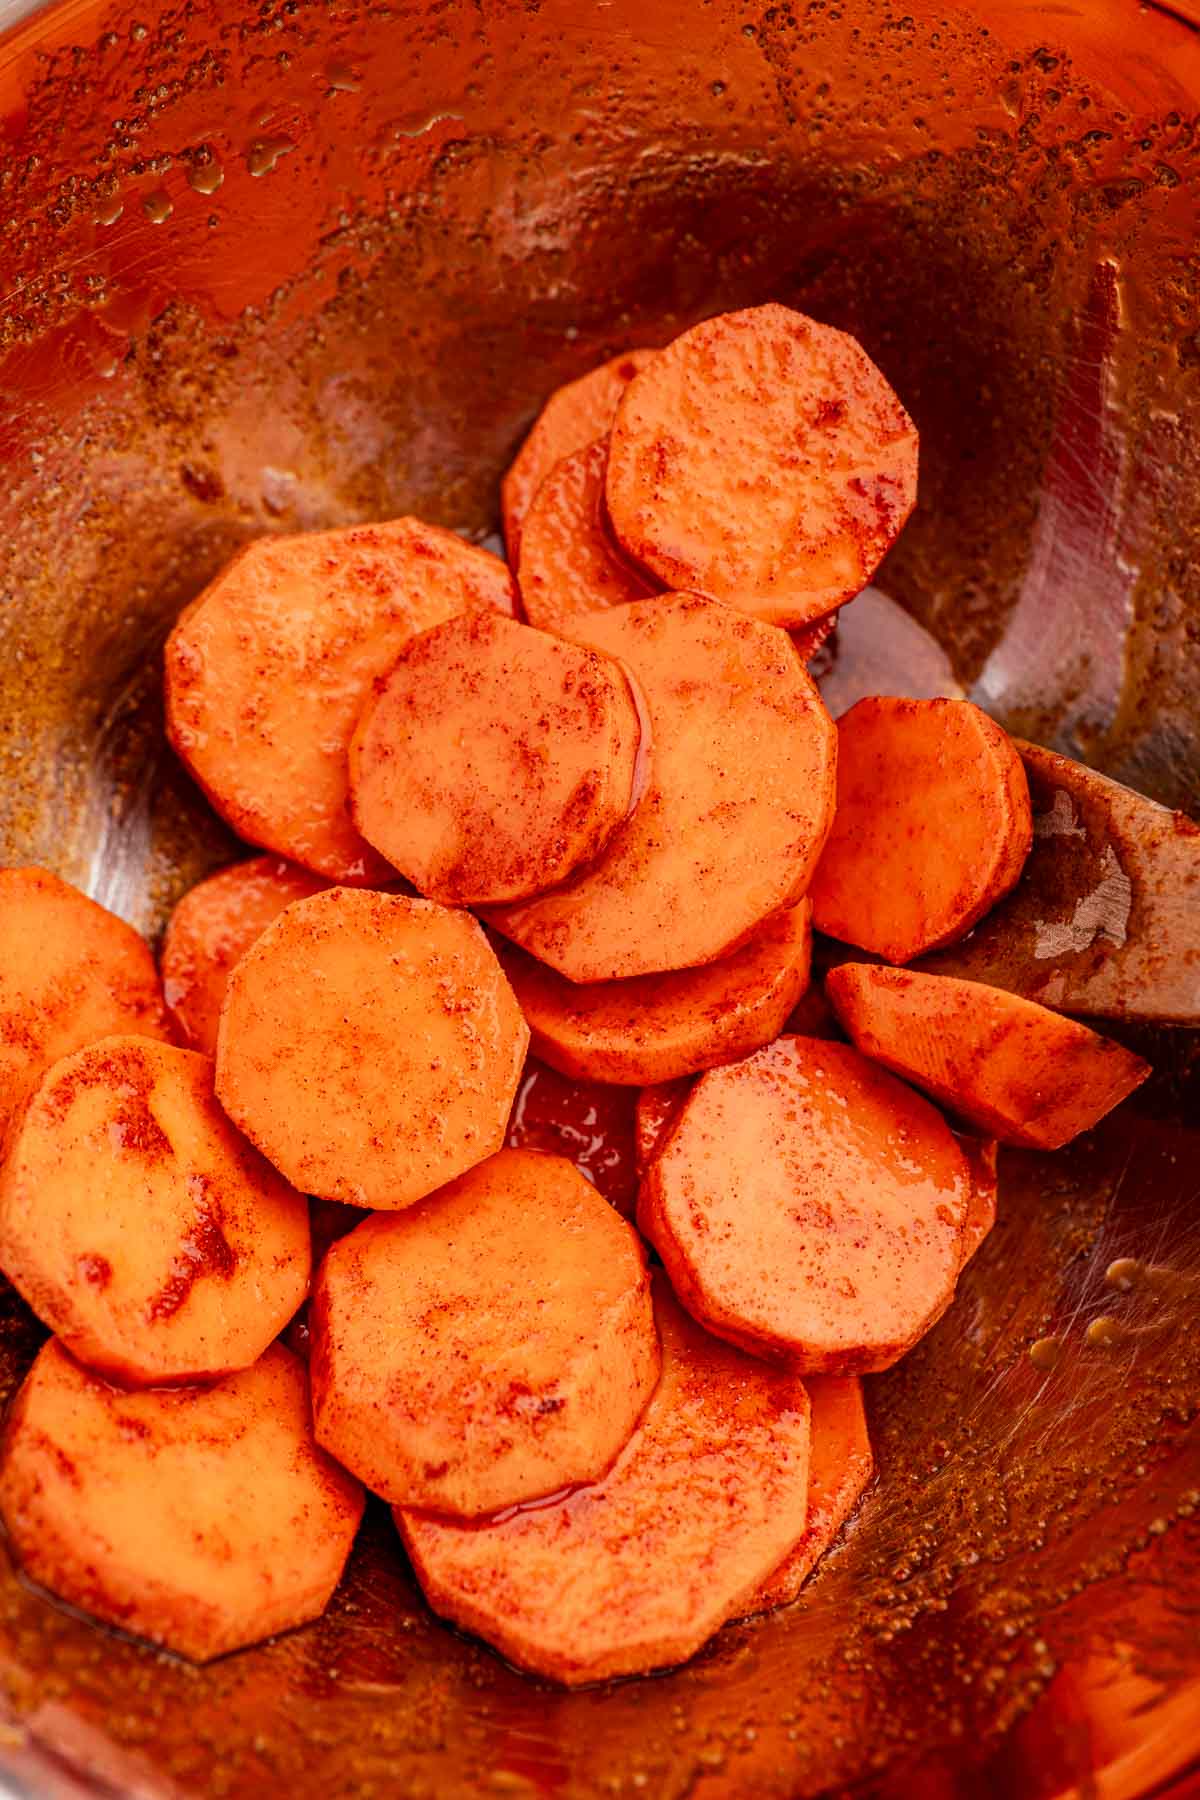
(206, 177)
(264, 153)
(107, 366)
(158, 206)
(342, 79)
(110, 210)
(1045, 1353)
(1103, 1333)
(1122, 1274)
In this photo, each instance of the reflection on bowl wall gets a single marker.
(278, 266)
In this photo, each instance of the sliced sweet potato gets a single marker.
(70, 973)
(370, 1047)
(570, 563)
(933, 825)
(212, 928)
(493, 760)
(1008, 1066)
(638, 1570)
(808, 1207)
(762, 458)
(658, 1107)
(139, 1225)
(574, 416)
(494, 1344)
(981, 1154)
(654, 1028)
(201, 1518)
(841, 1464)
(1103, 921)
(735, 811)
(266, 675)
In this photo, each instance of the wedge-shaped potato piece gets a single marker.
(653, 1028)
(489, 1346)
(570, 563)
(736, 808)
(494, 760)
(200, 1518)
(762, 458)
(370, 1047)
(932, 827)
(212, 928)
(1008, 1066)
(808, 1207)
(981, 1154)
(658, 1107)
(267, 673)
(70, 973)
(637, 1571)
(574, 416)
(841, 1464)
(139, 1225)
(1105, 920)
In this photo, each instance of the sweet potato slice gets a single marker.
(201, 1518)
(658, 1107)
(637, 1571)
(841, 1464)
(933, 826)
(266, 675)
(1103, 921)
(139, 1225)
(654, 1028)
(736, 807)
(1008, 1066)
(808, 1207)
(70, 973)
(494, 760)
(981, 1154)
(491, 1345)
(570, 563)
(574, 416)
(212, 928)
(370, 1047)
(762, 458)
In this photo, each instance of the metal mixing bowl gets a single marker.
(270, 264)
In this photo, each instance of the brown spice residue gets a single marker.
(204, 1250)
(95, 1270)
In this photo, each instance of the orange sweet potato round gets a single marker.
(658, 1107)
(736, 807)
(370, 1046)
(493, 1344)
(70, 973)
(809, 1207)
(570, 563)
(762, 458)
(574, 416)
(981, 1154)
(201, 1518)
(840, 1465)
(1008, 1066)
(638, 1570)
(139, 1225)
(212, 928)
(493, 760)
(266, 674)
(654, 1028)
(932, 827)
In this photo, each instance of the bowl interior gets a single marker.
(283, 266)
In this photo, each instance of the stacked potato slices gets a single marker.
(601, 809)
